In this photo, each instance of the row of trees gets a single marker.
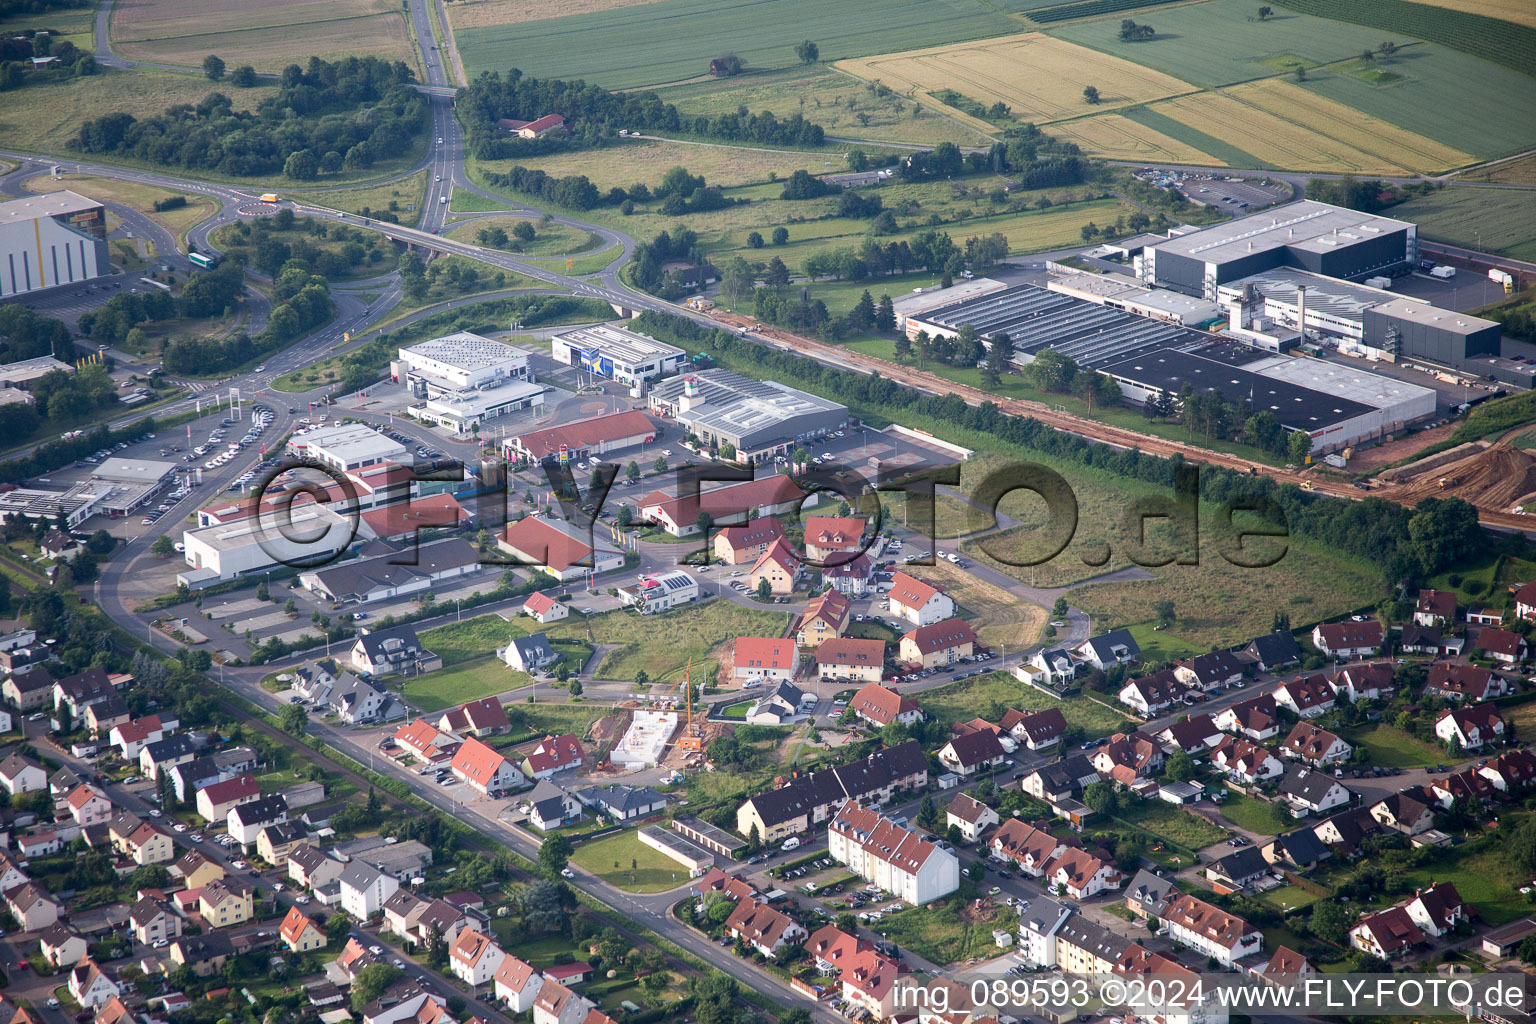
(300, 301)
(342, 115)
(592, 114)
(255, 242)
(29, 335)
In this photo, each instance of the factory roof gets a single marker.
(1306, 225)
(25, 370)
(350, 442)
(51, 204)
(1343, 381)
(731, 404)
(146, 471)
(1343, 300)
(1297, 407)
(466, 351)
(623, 346)
(1416, 311)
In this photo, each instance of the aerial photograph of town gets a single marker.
(768, 512)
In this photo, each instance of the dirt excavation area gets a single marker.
(1495, 477)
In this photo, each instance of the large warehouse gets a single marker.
(346, 446)
(617, 354)
(760, 419)
(1411, 329)
(1307, 235)
(456, 362)
(50, 240)
(582, 439)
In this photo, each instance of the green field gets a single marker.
(1390, 747)
(1504, 42)
(991, 695)
(549, 239)
(1160, 645)
(949, 931)
(1252, 815)
(1174, 824)
(1496, 220)
(1485, 877)
(624, 862)
(589, 263)
(472, 680)
(663, 644)
(462, 641)
(1220, 42)
(673, 40)
(78, 26)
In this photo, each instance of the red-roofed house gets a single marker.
(426, 742)
(215, 801)
(1437, 909)
(1036, 730)
(539, 542)
(728, 505)
(826, 618)
(762, 927)
(891, 856)
(1501, 645)
(766, 659)
(545, 608)
(483, 717)
(1435, 608)
(780, 566)
(834, 538)
(554, 754)
(474, 957)
(131, 737)
(1348, 639)
(1080, 874)
(919, 602)
(1386, 934)
(938, 643)
(880, 706)
(299, 933)
(584, 438)
(745, 544)
(970, 752)
(483, 769)
(1472, 728)
(869, 980)
(426, 512)
(849, 658)
(517, 984)
(548, 124)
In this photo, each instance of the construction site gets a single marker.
(1493, 477)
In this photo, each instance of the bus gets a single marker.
(206, 262)
(269, 197)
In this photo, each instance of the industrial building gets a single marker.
(464, 411)
(1307, 235)
(48, 240)
(1411, 329)
(921, 300)
(1119, 292)
(76, 505)
(457, 361)
(347, 446)
(1037, 318)
(760, 419)
(582, 439)
(24, 373)
(130, 483)
(617, 354)
(309, 536)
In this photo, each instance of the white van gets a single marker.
(792, 843)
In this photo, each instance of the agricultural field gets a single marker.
(264, 34)
(464, 14)
(1289, 101)
(673, 40)
(1519, 171)
(78, 27)
(1518, 11)
(1497, 220)
(44, 117)
(1276, 141)
(131, 194)
(840, 103)
(1511, 44)
(1116, 137)
(549, 239)
(1220, 42)
(1040, 77)
(648, 161)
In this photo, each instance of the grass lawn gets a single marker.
(465, 201)
(1159, 645)
(459, 642)
(548, 240)
(1253, 815)
(1390, 747)
(663, 644)
(555, 719)
(737, 712)
(991, 695)
(1485, 877)
(395, 196)
(472, 680)
(1288, 898)
(949, 933)
(589, 263)
(132, 194)
(624, 862)
(1175, 824)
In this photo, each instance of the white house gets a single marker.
(1210, 930)
(890, 856)
(474, 958)
(21, 775)
(918, 602)
(246, 820)
(1348, 639)
(970, 816)
(365, 889)
(1472, 728)
(517, 984)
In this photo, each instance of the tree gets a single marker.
(1095, 388)
(764, 589)
(1059, 608)
(1164, 614)
(864, 313)
(244, 76)
(1443, 532)
(554, 854)
(437, 949)
(1298, 446)
(808, 52)
(1300, 73)
(545, 906)
(371, 982)
(927, 814)
(1180, 767)
(1329, 921)
(632, 471)
(976, 870)
(885, 315)
(626, 516)
(730, 63)
(1091, 94)
(780, 236)
(1387, 49)
(754, 240)
(705, 522)
(524, 231)
(213, 67)
(163, 546)
(1101, 797)
(292, 719)
(1265, 12)
(302, 165)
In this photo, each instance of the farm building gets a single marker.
(51, 240)
(1307, 235)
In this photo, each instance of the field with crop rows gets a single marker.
(673, 40)
(1039, 77)
(647, 161)
(485, 13)
(1503, 42)
(1501, 220)
(1521, 12)
(1089, 9)
(840, 103)
(1220, 42)
(267, 34)
(1291, 102)
(1274, 140)
(1519, 171)
(1117, 137)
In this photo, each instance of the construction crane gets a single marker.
(691, 739)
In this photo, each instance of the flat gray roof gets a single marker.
(623, 346)
(138, 471)
(1307, 225)
(1417, 312)
(1348, 382)
(48, 204)
(467, 351)
(1343, 300)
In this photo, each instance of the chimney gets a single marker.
(1301, 310)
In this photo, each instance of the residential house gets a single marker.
(425, 742)
(1237, 870)
(1306, 696)
(831, 948)
(1210, 930)
(1469, 787)
(890, 855)
(810, 799)
(275, 842)
(364, 890)
(1151, 694)
(938, 644)
(1058, 667)
(1257, 718)
(545, 609)
(1437, 909)
(762, 927)
(148, 844)
(483, 717)
(971, 752)
(1214, 671)
(90, 986)
(1512, 771)
(1028, 846)
(554, 1003)
(1386, 933)
(103, 716)
(78, 692)
(246, 821)
(60, 945)
(196, 870)
(851, 578)
(550, 807)
(834, 538)
(1080, 874)
(1273, 651)
(1103, 652)
(1195, 735)
(1435, 608)
(1310, 743)
(1501, 645)
(1371, 681)
(299, 933)
(1470, 683)
(765, 660)
(130, 737)
(1525, 603)
(1429, 640)
(389, 651)
(516, 984)
(215, 801)
(532, 653)
(782, 704)
(1312, 792)
(154, 921)
(1410, 812)
(1148, 894)
(474, 957)
(851, 659)
(1245, 761)
(826, 617)
(552, 755)
(1470, 728)
(779, 567)
(165, 754)
(1344, 640)
(1346, 831)
(869, 982)
(29, 688)
(1300, 850)
(1060, 780)
(624, 803)
(1036, 730)
(1087, 947)
(205, 955)
(88, 806)
(20, 774)
(1128, 757)
(226, 902)
(746, 543)
(880, 706)
(919, 602)
(31, 905)
(484, 769)
(970, 816)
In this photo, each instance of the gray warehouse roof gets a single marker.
(1329, 295)
(1414, 311)
(1306, 225)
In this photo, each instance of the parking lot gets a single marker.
(1229, 194)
